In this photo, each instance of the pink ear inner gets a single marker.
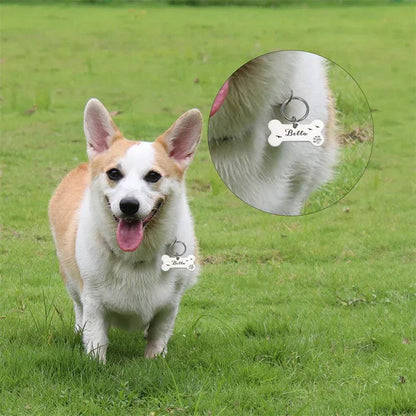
(98, 135)
(184, 143)
(99, 128)
(185, 137)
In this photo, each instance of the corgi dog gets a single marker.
(112, 220)
(273, 179)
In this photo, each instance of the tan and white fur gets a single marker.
(274, 179)
(111, 229)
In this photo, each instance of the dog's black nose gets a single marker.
(129, 206)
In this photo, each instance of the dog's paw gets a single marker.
(97, 352)
(78, 329)
(155, 350)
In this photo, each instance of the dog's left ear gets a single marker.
(182, 138)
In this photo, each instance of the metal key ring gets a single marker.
(177, 242)
(293, 119)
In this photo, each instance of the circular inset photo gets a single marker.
(290, 132)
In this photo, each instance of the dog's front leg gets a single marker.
(159, 331)
(95, 328)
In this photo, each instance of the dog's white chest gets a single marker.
(135, 289)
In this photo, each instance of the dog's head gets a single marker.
(134, 179)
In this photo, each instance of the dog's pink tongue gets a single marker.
(219, 99)
(129, 235)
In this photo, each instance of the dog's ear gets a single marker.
(182, 138)
(100, 130)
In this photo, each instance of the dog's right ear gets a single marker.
(100, 130)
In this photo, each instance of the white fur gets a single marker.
(136, 163)
(276, 180)
(129, 289)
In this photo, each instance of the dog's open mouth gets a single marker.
(130, 231)
(153, 212)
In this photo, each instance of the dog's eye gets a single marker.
(114, 174)
(152, 176)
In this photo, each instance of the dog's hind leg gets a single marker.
(159, 332)
(73, 289)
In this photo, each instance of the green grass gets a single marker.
(311, 315)
(352, 162)
(355, 131)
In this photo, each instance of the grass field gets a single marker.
(311, 315)
(356, 133)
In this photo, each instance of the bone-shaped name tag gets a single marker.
(178, 263)
(295, 133)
